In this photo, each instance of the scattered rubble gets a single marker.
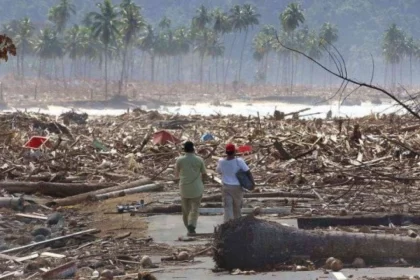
(341, 175)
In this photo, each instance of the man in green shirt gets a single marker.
(190, 169)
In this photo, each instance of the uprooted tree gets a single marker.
(342, 73)
(6, 47)
(250, 243)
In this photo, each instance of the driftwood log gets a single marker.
(138, 189)
(218, 197)
(15, 203)
(249, 243)
(71, 200)
(367, 220)
(50, 188)
(176, 208)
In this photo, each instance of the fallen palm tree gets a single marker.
(250, 243)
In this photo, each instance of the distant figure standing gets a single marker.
(190, 169)
(232, 193)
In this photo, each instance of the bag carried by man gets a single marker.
(244, 179)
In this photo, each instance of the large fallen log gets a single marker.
(50, 188)
(17, 249)
(15, 203)
(145, 188)
(218, 197)
(249, 243)
(176, 208)
(367, 220)
(71, 200)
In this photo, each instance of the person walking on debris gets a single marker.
(232, 193)
(190, 170)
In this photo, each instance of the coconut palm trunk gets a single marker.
(291, 74)
(312, 75)
(63, 72)
(201, 68)
(120, 84)
(179, 68)
(22, 61)
(242, 55)
(228, 62)
(249, 243)
(39, 69)
(192, 67)
(17, 66)
(393, 75)
(152, 58)
(278, 69)
(411, 70)
(106, 72)
(217, 73)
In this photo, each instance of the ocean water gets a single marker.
(241, 108)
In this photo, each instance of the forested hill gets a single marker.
(357, 20)
(361, 24)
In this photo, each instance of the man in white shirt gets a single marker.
(232, 191)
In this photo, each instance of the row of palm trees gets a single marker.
(118, 32)
(398, 46)
(296, 35)
(120, 35)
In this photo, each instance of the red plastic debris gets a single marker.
(163, 137)
(244, 149)
(37, 142)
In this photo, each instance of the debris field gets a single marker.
(66, 182)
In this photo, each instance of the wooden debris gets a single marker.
(52, 255)
(29, 257)
(89, 231)
(367, 220)
(49, 188)
(7, 257)
(32, 216)
(89, 195)
(63, 271)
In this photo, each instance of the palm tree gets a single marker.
(286, 56)
(202, 18)
(90, 48)
(237, 23)
(290, 19)
(393, 45)
(105, 28)
(250, 19)
(203, 40)
(328, 36)
(166, 48)
(200, 33)
(48, 46)
(165, 23)
(23, 40)
(314, 51)
(182, 46)
(329, 33)
(221, 22)
(262, 45)
(132, 24)
(147, 43)
(215, 50)
(74, 44)
(222, 26)
(61, 14)
(410, 47)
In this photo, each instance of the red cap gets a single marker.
(230, 147)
